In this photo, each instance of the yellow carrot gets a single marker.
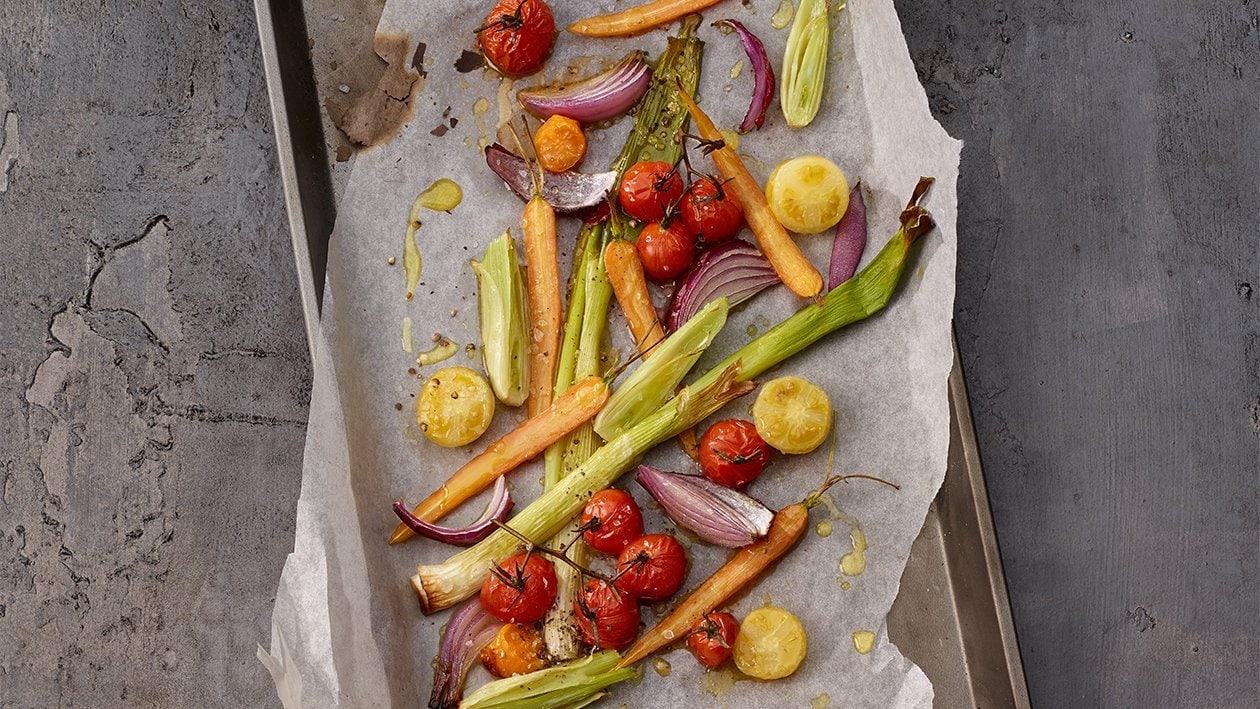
(789, 263)
(625, 272)
(575, 407)
(542, 284)
(638, 19)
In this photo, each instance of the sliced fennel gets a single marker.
(653, 383)
(503, 309)
(805, 63)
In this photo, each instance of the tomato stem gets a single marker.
(561, 554)
(506, 22)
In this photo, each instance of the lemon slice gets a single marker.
(771, 644)
(808, 194)
(455, 406)
(792, 414)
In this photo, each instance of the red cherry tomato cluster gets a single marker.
(677, 217)
(650, 567)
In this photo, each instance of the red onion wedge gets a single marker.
(735, 269)
(469, 630)
(496, 511)
(594, 99)
(763, 75)
(850, 241)
(565, 191)
(713, 512)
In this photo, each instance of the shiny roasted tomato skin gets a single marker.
(652, 567)
(523, 592)
(649, 190)
(620, 521)
(517, 36)
(732, 453)
(606, 618)
(712, 638)
(711, 211)
(667, 251)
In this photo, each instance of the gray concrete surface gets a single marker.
(152, 361)
(154, 374)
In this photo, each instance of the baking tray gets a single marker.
(952, 616)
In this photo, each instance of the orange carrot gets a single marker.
(786, 529)
(796, 272)
(638, 19)
(625, 273)
(542, 284)
(572, 409)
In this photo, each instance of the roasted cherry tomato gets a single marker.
(520, 590)
(649, 190)
(619, 521)
(713, 638)
(711, 211)
(606, 618)
(732, 453)
(666, 251)
(652, 567)
(560, 144)
(517, 36)
(515, 650)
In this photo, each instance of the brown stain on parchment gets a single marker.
(377, 114)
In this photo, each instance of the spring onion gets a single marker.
(504, 315)
(805, 63)
(649, 386)
(572, 684)
(856, 299)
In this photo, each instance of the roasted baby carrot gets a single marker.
(789, 263)
(638, 19)
(542, 285)
(625, 272)
(575, 407)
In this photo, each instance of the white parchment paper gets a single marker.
(347, 630)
